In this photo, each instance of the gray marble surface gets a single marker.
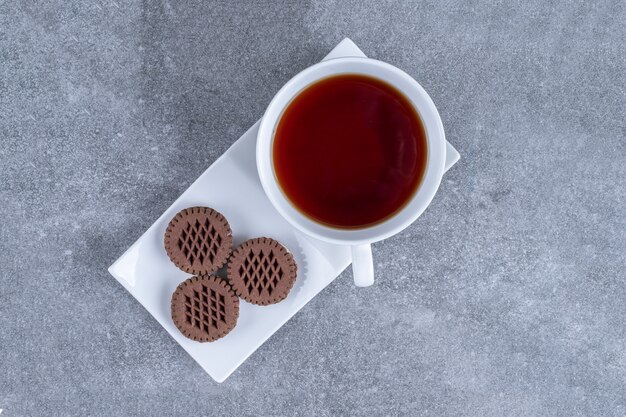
(506, 298)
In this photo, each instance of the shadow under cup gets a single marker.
(349, 151)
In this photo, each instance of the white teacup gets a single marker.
(358, 239)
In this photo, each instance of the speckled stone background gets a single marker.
(506, 298)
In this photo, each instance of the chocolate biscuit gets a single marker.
(205, 308)
(262, 271)
(198, 240)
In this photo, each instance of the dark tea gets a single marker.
(350, 151)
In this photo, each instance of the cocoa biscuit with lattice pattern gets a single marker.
(205, 308)
(198, 240)
(262, 271)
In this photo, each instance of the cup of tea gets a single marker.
(351, 151)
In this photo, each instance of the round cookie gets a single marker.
(198, 240)
(262, 271)
(205, 308)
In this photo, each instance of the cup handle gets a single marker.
(362, 265)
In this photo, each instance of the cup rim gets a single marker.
(435, 138)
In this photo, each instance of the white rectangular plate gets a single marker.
(231, 186)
